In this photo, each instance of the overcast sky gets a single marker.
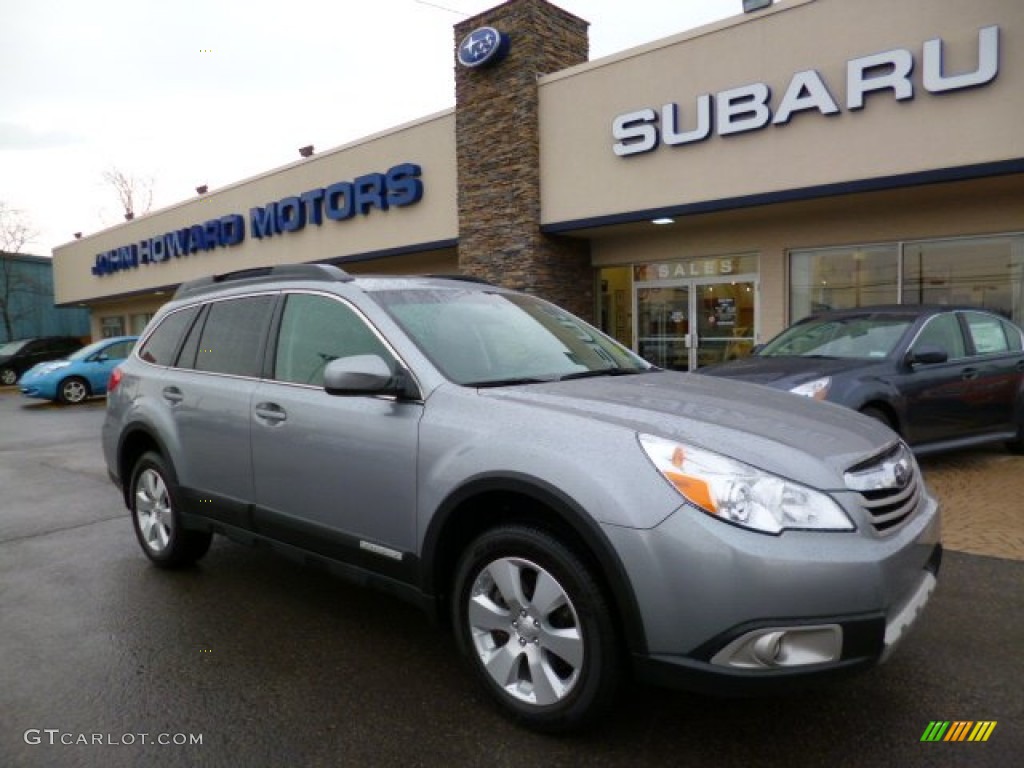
(214, 91)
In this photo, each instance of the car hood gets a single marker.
(787, 372)
(792, 436)
(40, 369)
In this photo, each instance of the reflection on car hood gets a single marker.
(786, 372)
(753, 424)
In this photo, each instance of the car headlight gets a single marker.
(741, 494)
(817, 389)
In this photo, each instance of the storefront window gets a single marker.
(112, 326)
(839, 278)
(982, 272)
(138, 322)
(616, 309)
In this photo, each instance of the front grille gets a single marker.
(888, 487)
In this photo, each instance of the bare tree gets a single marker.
(135, 193)
(15, 232)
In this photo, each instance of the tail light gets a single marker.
(115, 380)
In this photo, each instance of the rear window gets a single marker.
(161, 347)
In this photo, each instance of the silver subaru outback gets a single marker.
(573, 512)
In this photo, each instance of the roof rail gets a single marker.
(264, 275)
(463, 277)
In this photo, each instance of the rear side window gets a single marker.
(316, 330)
(232, 339)
(162, 345)
(988, 333)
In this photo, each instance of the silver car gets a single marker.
(575, 513)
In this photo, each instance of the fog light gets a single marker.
(777, 647)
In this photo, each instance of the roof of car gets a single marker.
(316, 273)
(897, 309)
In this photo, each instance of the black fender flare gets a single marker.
(570, 514)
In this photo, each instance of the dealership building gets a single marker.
(692, 196)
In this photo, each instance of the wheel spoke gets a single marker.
(502, 665)
(508, 578)
(547, 687)
(486, 615)
(566, 644)
(548, 595)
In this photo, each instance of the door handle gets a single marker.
(271, 413)
(969, 374)
(172, 395)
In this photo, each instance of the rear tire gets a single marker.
(8, 377)
(73, 391)
(536, 628)
(156, 517)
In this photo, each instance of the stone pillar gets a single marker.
(498, 147)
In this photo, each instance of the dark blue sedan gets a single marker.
(78, 376)
(942, 377)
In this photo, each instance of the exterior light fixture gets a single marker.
(749, 6)
(306, 151)
(201, 189)
(664, 220)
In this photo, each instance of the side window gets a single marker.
(316, 330)
(943, 331)
(987, 333)
(232, 338)
(162, 345)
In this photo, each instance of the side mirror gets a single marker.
(361, 375)
(927, 354)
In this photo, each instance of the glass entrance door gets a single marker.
(663, 326)
(687, 324)
(725, 322)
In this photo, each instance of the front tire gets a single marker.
(156, 517)
(536, 628)
(879, 415)
(73, 391)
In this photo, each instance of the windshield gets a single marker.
(859, 336)
(92, 349)
(480, 338)
(12, 347)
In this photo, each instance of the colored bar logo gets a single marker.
(958, 730)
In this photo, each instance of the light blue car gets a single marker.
(78, 376)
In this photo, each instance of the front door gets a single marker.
(687, 324)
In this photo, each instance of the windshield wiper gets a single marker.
(603, 372)
(511, 382)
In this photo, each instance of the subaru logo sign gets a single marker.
(483, 47)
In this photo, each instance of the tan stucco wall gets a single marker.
(583, 178)
(429, 143)
(980, 207)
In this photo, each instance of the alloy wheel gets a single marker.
(526, 631)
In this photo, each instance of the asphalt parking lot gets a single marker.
(267, 663)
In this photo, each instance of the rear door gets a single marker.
(332, 474)
(996, 370)
(208, 396)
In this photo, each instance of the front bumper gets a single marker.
(730, 611)
(866, 640)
